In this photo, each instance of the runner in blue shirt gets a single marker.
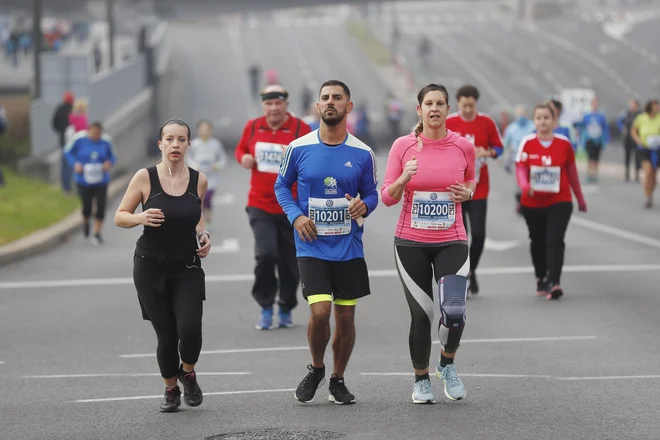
(336, 177)
(594, 135)
(90, 154)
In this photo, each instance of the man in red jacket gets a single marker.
(260, 150)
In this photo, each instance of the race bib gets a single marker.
(268, 156)
(545, 179)
(653, 142)
(594, 131)
(477, 168)
(93, 173)
(330, 216)
(432, 210)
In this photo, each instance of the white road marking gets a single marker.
(499, 246)
(526, 376)
(508, 376)
(81, 376)
(616, 232)
(224, 199)
(382, 273)
(2, 363)
(206, 393)
(228, 245)
(305, 347)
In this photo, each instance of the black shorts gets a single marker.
(650, 155)
(344, 281)
(593, 150)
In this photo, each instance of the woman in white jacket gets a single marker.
(208, 156)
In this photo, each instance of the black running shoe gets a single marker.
(474, 287)
(307, 388)
(192, 394)
(542, 287)
(172, 400)
(339, 394)
(86, 230)
(554, 291)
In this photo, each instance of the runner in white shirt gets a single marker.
(208, 156)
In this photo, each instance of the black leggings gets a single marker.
(89, 194)
(547, 229)
(174, 309)
(474, 216)
(417, 267)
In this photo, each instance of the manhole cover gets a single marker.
(278, 434)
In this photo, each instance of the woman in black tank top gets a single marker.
(167, 268)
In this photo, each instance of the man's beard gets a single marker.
(333, 120)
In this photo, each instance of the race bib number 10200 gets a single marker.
(432, 210)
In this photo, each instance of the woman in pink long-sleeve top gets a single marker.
(432, 170)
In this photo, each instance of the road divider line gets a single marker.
(616, 232)
(647, 376)
(305, 347)
(378, 273)
(523, 376)
(91, 375)
(206, 393)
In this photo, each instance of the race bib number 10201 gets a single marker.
(330, 216)
(432, 210)
(268, 156)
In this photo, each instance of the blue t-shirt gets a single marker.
(325, 174)
(91, 155)
(594, 128)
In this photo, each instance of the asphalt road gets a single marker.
(73, 311)
(77, 361)
(213, 60)
(517, 62)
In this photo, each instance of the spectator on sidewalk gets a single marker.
(60, 123)
(78, 117)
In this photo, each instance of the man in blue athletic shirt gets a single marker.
(336, 176)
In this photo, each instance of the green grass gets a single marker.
(28, 205)
(373, 47)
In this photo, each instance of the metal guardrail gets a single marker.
(105, 92)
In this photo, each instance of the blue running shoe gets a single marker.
(422, 392)
(454, 388)
(285, 319)
(266, 320)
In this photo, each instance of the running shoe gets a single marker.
(172, 400)
(474, 286)
(554, 291)
(454, 388)
(285, 319)
(86, 230)
(339, 394)
(192, 393)
(422, 392)
(542, 287)
(266, 320)
(312, 381)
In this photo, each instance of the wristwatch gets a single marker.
(471, 194)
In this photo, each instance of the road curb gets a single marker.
(49, 237)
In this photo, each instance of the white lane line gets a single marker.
(206, 393)
(526, 376)
(226, 246)
(305, 347)
(378, 273)
(647, 376)
(507, 376)
(540, 339)
(81, 376)
(616, 232)
(2, 363)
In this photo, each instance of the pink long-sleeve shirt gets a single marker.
(441, 163)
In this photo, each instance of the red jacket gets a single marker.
(267, 146)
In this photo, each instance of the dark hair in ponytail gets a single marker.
(174, 121)
(420, 98)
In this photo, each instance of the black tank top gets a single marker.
(175, 238)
